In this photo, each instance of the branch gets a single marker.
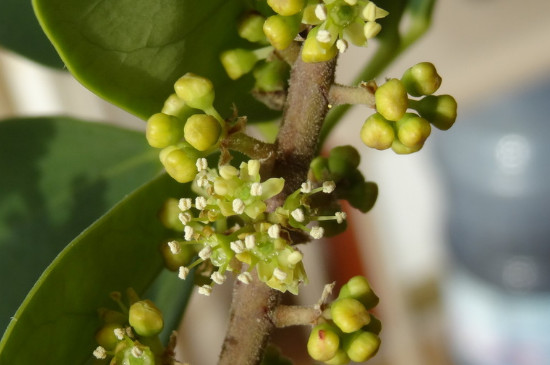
(250, 323)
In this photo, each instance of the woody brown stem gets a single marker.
(250, 323)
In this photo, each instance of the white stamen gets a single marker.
(342, 45)
(205, 253)
(323, 36)
(175, 247)
(279, 274)
(274, 231)
(250, 241)
(202, 181)
(298, 215)
(295, 257)
(119, 333)
(256, 189)
(185, 217)
(183, 272)
(202, 164)
(137, 352)
(205, 290)
(188, 233)
(328, 187)
(237, 246)
(218, 277)
(306, 187)
(340, 216)
(200, 202)
(321, 12)
(317, 232)
(245, 277)
(185, 204)
(238, 206)
(100, 352)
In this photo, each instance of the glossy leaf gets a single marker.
(21, 33)
(131, 52)
(58, 175)
(58, 318)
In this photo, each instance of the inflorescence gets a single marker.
(227, 225)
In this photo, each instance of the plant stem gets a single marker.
(250, 323)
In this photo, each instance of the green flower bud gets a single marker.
(413, 130)
(271, 76)
(320, 170)
(377, 132)
(343, 160)
(168, 215)
(238, 62)
(163, 130)
(202, 131)
(173, 259)
(281, 30)
(401, 149)
(309, 16)
(196, 91)
(106, 337)
(391, 100)
(250, 27)
(145, 318)
(341, 358)
(421, 79)
(374, 326)
(323, 342)
(349, 314)
(361, 346)
(314, 51)
(286, 7)
(439, 110)
(358, 288)
(176, 107)
(178, 164)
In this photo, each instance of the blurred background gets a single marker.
(457, 246)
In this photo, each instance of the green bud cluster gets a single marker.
(270, 72)
(228, 226)
(130, 335)
(181, 131)
(405, 132)
(349, 331)
(341, 166)
(333, 25)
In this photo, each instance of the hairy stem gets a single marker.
(250, 323)
(292, 315)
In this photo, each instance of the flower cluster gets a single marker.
(392, 126)
(227, 224)
(348, 331)
(127, 333)
(181, 132)
(338, 23)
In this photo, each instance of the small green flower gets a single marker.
(391, 100)
(145, 318)
(196, 91)
(202, 131)
(323, 342)
(349, 314)
(377, 132)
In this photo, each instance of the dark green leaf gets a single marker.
(57, 321)
(131, 52)
(20, 32)
(58, 175)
